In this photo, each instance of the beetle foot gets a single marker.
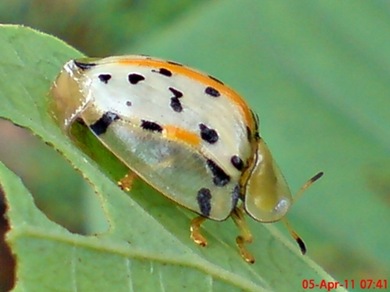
(196, 236)
(127, 181)
(246, 255)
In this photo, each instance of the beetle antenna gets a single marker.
(292, 232)
(295, 235)
(307, 185)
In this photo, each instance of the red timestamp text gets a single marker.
(310, 284)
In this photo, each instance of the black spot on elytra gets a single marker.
(204, 201)
(151, 126)
(163, 71)
(175, 102)
(235, 196)
(176, 92)
(104, 78)
(102, 124)
(220, 178)
(134, 78)
(212, 91)
(208, 134)
(237, 162)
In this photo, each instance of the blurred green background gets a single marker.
(316, 72)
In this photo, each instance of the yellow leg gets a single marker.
(126, 182)
(245, 235)
(196, 236)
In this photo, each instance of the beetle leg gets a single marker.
(196, 236)
(126, 182)
(245, 235)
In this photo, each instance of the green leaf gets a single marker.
(147, 242)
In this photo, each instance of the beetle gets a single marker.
(182, 131)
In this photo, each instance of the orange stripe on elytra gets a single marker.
(200, 77)
(178, 134)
